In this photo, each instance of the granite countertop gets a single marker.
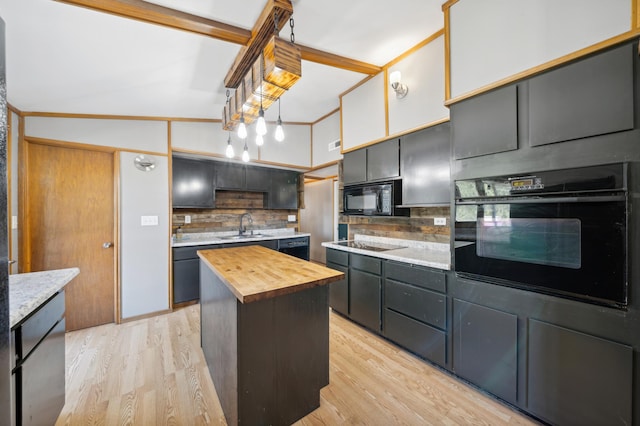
(198, 239)
(27, 292)
(433, 255)
(254, 273)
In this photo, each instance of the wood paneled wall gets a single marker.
(419, 226)
(226, 216)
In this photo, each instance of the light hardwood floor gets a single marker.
(152, 372)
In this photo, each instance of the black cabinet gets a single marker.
(485, 348)
(283, 193)
(425, 167)
(383, 160)
(39, 373)
(230, 176)
(593, 96)
(365, 291)
(258, 179)
(576, 378)
(374, 163)
(485, 124)
(339, 290)
(354, 167)
(193, 183)
(415, 310)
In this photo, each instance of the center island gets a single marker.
(265, 332)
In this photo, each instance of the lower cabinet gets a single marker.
(576, 378)
(39, 373)
(339, 290)
(364, 301)
(485, 348)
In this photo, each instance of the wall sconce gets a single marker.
(400, 89)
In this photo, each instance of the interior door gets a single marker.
(69, 204)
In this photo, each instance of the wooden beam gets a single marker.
(261, 33)
(155, 14)
(324, 58)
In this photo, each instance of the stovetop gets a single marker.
(365, 245)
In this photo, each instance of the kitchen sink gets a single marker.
(243, 236)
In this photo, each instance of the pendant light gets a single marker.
(279, 132)
(242, 128)
(261, 125)
(229, 152)
(245, 153)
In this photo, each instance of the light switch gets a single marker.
(149, 220)
(187, 218)
(292, 218)
(440, 221)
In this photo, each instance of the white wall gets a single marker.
(325, 132)
(143, 135)
(363, 114)
(207, 138)
(294, 150)
(494, 39)
(144, 252)
(423, 73)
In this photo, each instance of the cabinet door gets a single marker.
(383, 160)
(258, 179)
(193, 182)
(591, 97)
(354, 167)
(284, 190)
(339, 290)
(425, 167)
(364, 298)
(186, 280)
(485, 343)
(575, 378)
(230, 176)
(485, 124)
(421, 339)
(42, 378)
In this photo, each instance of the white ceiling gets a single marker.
(67, 59)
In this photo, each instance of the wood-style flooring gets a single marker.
(152, 372)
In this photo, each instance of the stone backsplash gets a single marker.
(230, 205)
(419, 226)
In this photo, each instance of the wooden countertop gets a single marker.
(255, 273)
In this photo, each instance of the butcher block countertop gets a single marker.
(255, 273)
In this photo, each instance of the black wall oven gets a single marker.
(561, 232)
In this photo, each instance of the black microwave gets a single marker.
(374, 199)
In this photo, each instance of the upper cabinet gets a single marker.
(283, 193)
(363, 113)
(193, 183)
(425, 167)
(516, 36)
(485, 124)
(376, 162)
(593, 96)
(230, 176)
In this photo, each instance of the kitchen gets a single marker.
(490, 72)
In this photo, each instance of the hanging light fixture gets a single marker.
(259, 140)
(229, 152)
(245, 153)
(242, 128)
(279, 135)
(261, 125)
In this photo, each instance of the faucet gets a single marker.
(243, 229)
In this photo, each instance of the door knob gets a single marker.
(107, 245)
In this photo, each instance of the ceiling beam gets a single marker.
(160, 15)
(155, 14)
(336, 61)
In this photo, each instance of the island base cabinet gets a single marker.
(578, 379)
(268, 359)
(42, 380)
(485, 348)
(419, 338)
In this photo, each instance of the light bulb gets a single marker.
(229, 152)
(242, 129)
(279, 131)
(261, 125)
(395, 77)
(245, 154)
(259, 140)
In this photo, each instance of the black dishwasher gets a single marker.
(298, 247)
